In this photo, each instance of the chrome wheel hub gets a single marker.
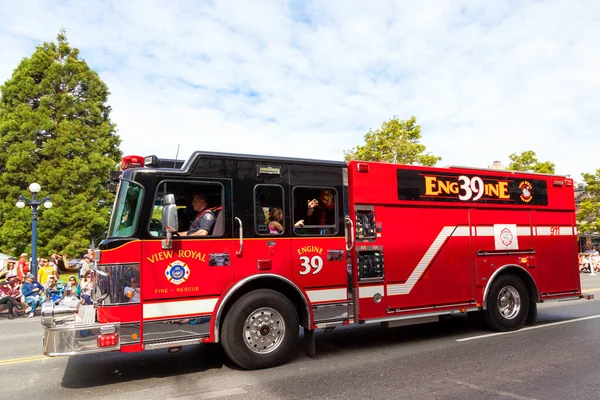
(509, 302)
(264, 330)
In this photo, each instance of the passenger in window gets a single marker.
(204, 220)
(276, 221)
(320, 212)
(262, 210)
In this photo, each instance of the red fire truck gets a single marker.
(293, 243)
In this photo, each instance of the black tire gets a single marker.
(507, 304)
(266, 311)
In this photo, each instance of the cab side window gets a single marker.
(199, 207)
(269, 210)
(315, 210)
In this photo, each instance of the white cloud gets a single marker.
(308, 79)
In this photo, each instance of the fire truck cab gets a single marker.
(244, 250)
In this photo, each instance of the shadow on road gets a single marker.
(110, 368)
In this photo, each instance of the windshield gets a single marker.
(126, 210)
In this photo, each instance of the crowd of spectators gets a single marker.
(589, 261)
(22, 293)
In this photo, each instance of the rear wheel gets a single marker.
(260, 330)
(507, 304)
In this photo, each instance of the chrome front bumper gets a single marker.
(71, 330)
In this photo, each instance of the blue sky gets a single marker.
(308, 78)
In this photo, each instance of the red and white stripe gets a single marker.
(170, 309)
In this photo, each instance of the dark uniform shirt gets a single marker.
(204, 220)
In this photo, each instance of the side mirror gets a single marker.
(170, 223)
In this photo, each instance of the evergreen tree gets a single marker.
(55, 130)
(396, 141)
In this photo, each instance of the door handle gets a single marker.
(349, 240)
(239, 253)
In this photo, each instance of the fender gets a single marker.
(495, 274)
(241, 283)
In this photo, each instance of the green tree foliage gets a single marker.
(55, 130)
(396, 141)
(588, 215)
(527, 162)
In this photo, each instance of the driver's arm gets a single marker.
(199, 232)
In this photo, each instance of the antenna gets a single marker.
(176, 155)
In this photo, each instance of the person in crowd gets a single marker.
(84, 266)
(71, 288)
(6, 298)
(205, 218)
(581, 258)
(9, 269)
(587, 262)
(90, 252)
(85, 286)
(59, 261)
(22, 267)
(276, 221)
(132, 291)
(595, 260)
(15, 285)
(53, 291)
(33, 292)
(45, 271)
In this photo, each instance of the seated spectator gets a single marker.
(72, 288)
(33, 292)
(53, 290)
(9, 269)
(7, 299)
(581, 259)
(85, 287)
(15, 285)
(132, 292)
(595, 260)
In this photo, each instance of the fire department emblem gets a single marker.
(177, 272)
(506, 237)
(526, 191)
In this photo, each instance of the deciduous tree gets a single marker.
(396, 141)
(527, 162)
(55, 129)
(588, 215)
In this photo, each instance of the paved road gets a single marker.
(455, 359)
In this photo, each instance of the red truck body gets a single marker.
(399, 244)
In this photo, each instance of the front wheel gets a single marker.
(507, 304)
(260, 330)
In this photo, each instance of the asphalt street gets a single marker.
(455, 359)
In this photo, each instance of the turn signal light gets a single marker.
(109, 340)
(523, 260)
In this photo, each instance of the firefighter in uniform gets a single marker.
(205, 218)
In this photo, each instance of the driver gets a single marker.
(204, 220)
